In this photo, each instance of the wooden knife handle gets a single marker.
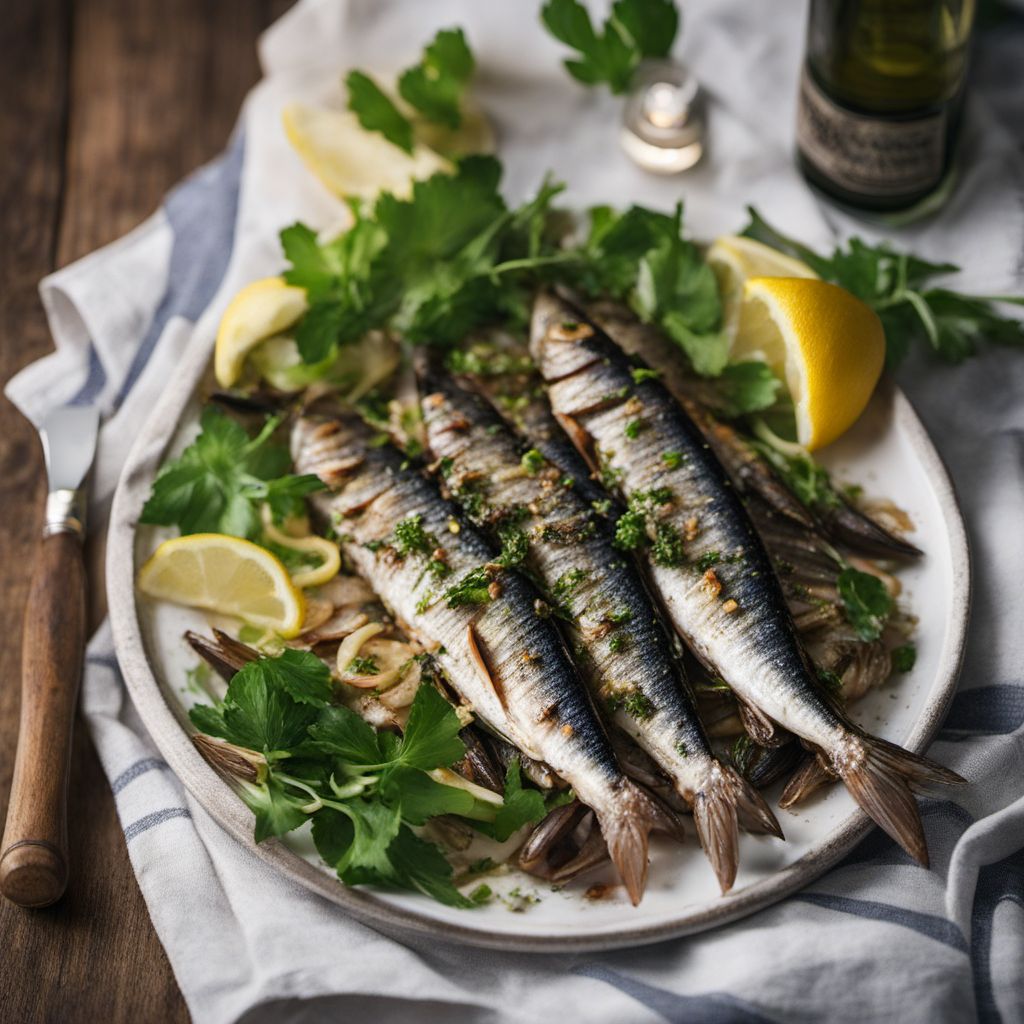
(34, 861)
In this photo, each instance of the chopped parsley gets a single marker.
(362, 667)
(866, 602)
(411, 538)
(673, 460)
(633, 428)
(634, 702)
(631, 528)
(532, 461)
(904, 658)
(642, 373)
(473, 588)
(618, 643)
(668, 549)
(568, 583)
(830, 681)
(707, 560)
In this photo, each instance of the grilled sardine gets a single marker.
(619, 642)
(708, 562)
(440, 580)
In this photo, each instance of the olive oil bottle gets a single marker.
(880, 98)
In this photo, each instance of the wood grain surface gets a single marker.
(106, 104)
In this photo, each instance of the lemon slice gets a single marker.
(824, 343)
(351, 161)
(259, 311)
(736, 259)
(225, 574)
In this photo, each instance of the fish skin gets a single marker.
(565, 537)
(523, 684)
(839, 521)
(751, 644)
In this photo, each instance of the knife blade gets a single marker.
(34, 857)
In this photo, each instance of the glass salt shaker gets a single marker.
(663, 120)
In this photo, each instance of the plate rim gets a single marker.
(219, 800)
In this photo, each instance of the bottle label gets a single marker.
(867, 155)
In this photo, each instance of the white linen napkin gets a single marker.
(878, 937)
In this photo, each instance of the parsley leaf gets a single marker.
(362, 789)
(376, 112)
(435, 85)
(747, 387)
(431, 738)
(636, 29)
(676, 288)
(521, 806)
(866, 602)
(431, 267)
(277, 810)
(894, 284)
(218, 482)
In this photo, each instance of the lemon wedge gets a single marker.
(824, 343)
(259, 311)
(736, 259)
(350, 161)
(225, 574)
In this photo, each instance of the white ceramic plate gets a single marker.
(888, 452)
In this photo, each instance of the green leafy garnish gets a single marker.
(376, 111)
(746, 387)
(904, 658)
(641, 256)
(435, 85)
(532, 461)
(898, 287)
(635, 29)
(866, 602)
(431, 267)
(305, 758)
(411, 539)
(221, 479)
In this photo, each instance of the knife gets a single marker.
(34, 858)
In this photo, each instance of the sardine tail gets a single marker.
(726, 802)
(881, 777)
(809, 777)
(717, 823)
(755, 816)
(626, 827)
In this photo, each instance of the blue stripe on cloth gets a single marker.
(997, 883)
(201, 213)
(94, 381)
(706, 1008)
(106, 660)
(938, 928)
(148, 821)
(147, 764)
(985, 710)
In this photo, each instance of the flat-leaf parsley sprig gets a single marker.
(220, 481)
(295, 756)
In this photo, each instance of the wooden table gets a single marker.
(105, 105)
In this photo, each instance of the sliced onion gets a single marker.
(345, 589)
(390, 655)
(403, 693)
(338, 626)
(446, 777)
(318, 611)
(350, 645)
(325, 550)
